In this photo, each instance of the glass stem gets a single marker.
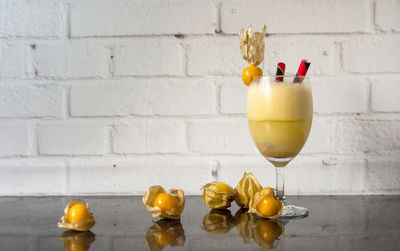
(280, 183)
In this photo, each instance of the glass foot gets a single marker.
(294, 212)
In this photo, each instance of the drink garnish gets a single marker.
(280, 72)
(302, 71)
(252, 47)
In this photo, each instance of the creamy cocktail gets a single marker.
(279, 116)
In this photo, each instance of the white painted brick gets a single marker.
(350, 95)
(220, 136)
(321, 52)
(231, 170)
(233, 96)
(383, 175)
(33, 179)
(14, 61)
(368, 136)
(110, 18)
(312, 176)
(19, 100)
(73, 139)
(74, 59)
(40, 18)
(387, 15)
(16, 140)
(372, 54)
(385, 95)
(296, 16)
(214, 56)
(322, 138)
(149, 57)
(150, 136)
(304, 175)
(134, 176)
(153, 97)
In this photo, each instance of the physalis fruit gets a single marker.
(245, 190)
(164, 205)
(77, 216)
(266, 205)
(217, 195)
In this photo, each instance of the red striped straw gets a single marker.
(280, 71)
(301, 73)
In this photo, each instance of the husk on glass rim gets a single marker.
(279, 116)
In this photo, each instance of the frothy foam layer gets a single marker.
(279, 101)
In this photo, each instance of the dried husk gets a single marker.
(245, 190)
(218, 221)
(260, 196)
(213, 198)
(252, 46)
(83, 239)
(268, 244)
(174, 213)
(171, 227)
(82, 225)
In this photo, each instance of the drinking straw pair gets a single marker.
(300, 75)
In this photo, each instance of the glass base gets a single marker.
(293, 212)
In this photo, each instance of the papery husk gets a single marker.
(246, 189)
(245, 223)
(267, 244)
(85, 238)
(173, 227)
(260, 195)
(252, 46)
(218, 221)
(82, 225)
(174, 213)
(214, 199)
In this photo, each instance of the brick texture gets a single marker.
(41, 18)
(31, 101)
(368, 136)
(387, 15)
(161, 97)
(350, 95)
(150, 137)
(137, 93)
(384, 95)
(16, 140)
(295, 16)
(73, 139)
(14, 61)
(149, 57)
(110, 18)
(71, 60)
(372, 55)
(230, 137)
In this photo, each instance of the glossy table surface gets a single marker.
(122, 223)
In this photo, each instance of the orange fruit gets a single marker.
(165, 201)
(250, 72)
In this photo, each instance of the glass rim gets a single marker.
(285, 77)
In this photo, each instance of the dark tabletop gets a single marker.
(122, 223)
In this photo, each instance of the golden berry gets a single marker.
(165, 201)
(78, 212)
(250, 72)
(269, 206)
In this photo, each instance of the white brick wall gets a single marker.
(137, 93)
(149, 57)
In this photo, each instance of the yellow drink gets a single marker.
(279, 116)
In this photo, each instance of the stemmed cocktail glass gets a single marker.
(280, 116)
